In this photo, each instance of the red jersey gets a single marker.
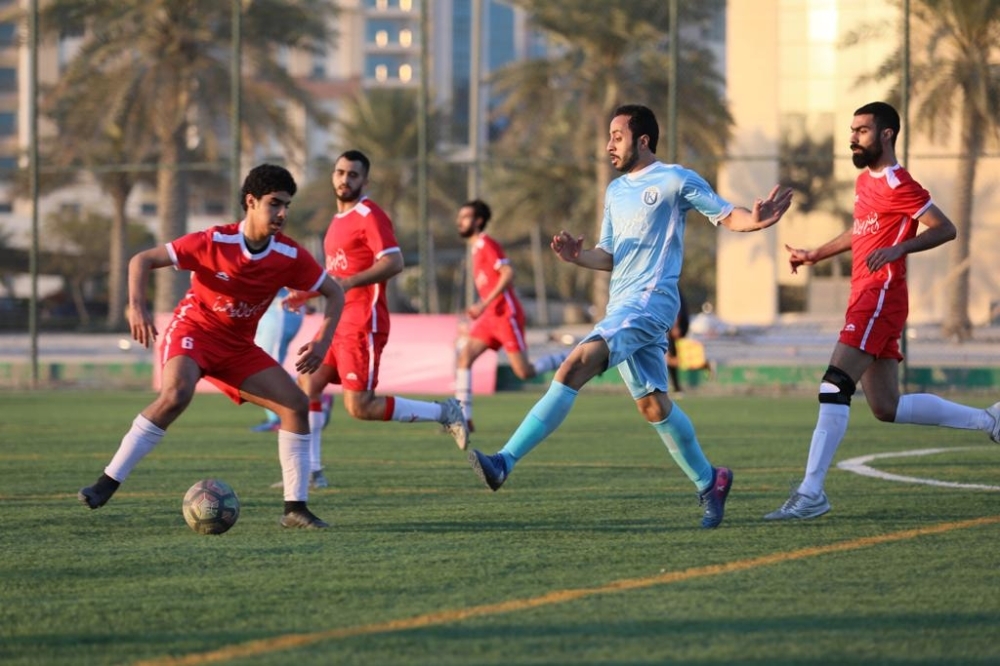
(232, 287)
(353, 243)
(886, 205)
(487, 258)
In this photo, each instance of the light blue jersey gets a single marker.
(643, 231)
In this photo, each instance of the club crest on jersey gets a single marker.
(650, 196)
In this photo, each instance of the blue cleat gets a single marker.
(714, 497)
(491, 469)
(266, 426)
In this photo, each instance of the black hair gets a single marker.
(886, 117)
(641, 120)
(356, 156)
(265, 179)
(480, 211)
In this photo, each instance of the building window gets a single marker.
(8, 34)
(215, 208)
(148, 209)
(8, 79)
(8, 123)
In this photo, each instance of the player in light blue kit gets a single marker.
(642, 245)
(275, 332)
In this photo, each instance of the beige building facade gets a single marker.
(792, 76)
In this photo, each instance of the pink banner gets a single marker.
(419, 358)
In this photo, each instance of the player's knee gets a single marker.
(837, 387)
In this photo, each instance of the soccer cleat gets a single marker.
(318, 480)
(800, 507)
(303, 519)
(994, 411)
(327, 402)
(93, 498)
(454, 422)
(492, 470)
(714, 497)
(266, 426)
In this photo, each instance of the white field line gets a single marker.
(860, 466)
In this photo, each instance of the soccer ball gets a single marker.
(211, 507)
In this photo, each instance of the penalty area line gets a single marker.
(291, 641)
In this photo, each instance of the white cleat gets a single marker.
(454, 422)
(994, 411)
(801, 507)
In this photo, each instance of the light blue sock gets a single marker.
(547, 414)
(677, 433)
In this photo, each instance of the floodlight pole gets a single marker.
(905, 112)
(235, 94)
(33, 184)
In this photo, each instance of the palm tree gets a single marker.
(174, 56)
(607, 54)
(955, 74)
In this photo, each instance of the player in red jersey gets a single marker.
(236, 271)
(497, 318)
(361, 255)
(888, 204)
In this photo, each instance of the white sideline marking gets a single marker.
(859, 466)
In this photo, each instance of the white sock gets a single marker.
(136, 444)
(929, 409)
(463, 390)
(549, 362)
(315, 440)
(830, 428)
(408, 411)
(293, 453)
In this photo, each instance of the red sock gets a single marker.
(390, 407)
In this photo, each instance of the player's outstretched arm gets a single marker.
(765, 212)
(570, 249)
(311, 354)
(140, 322)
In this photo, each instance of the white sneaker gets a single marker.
(801, 507)
(994, 411)
(454, 422)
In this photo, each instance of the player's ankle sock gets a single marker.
(547, 414)
(294, 506)
(463, 390)
(677, 433)
(105, 485)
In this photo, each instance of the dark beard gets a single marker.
(627, 166)
(867, 156)
(349, 196)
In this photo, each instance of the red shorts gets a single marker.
(226, 362)
(497, 332)
(355, 359)
(875, 320)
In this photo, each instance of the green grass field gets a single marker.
(590, 554)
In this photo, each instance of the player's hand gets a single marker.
(882, 256)
(310, 357)
(768, 211)
(141, 325)
(567, 247)
(474, 311)
(798, 257)
(295, 299)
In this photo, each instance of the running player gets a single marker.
(497, 317)
(362, 254)
(641, 245)
(888, 205)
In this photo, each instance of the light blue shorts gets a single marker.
(638, 346)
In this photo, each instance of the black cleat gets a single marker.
(304, 519)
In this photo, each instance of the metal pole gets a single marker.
(236, 120)
(426, 270)
(904, 87)
(475, 79)
(674, 49)
(33, 185)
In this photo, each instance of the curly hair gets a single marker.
(265, 179)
